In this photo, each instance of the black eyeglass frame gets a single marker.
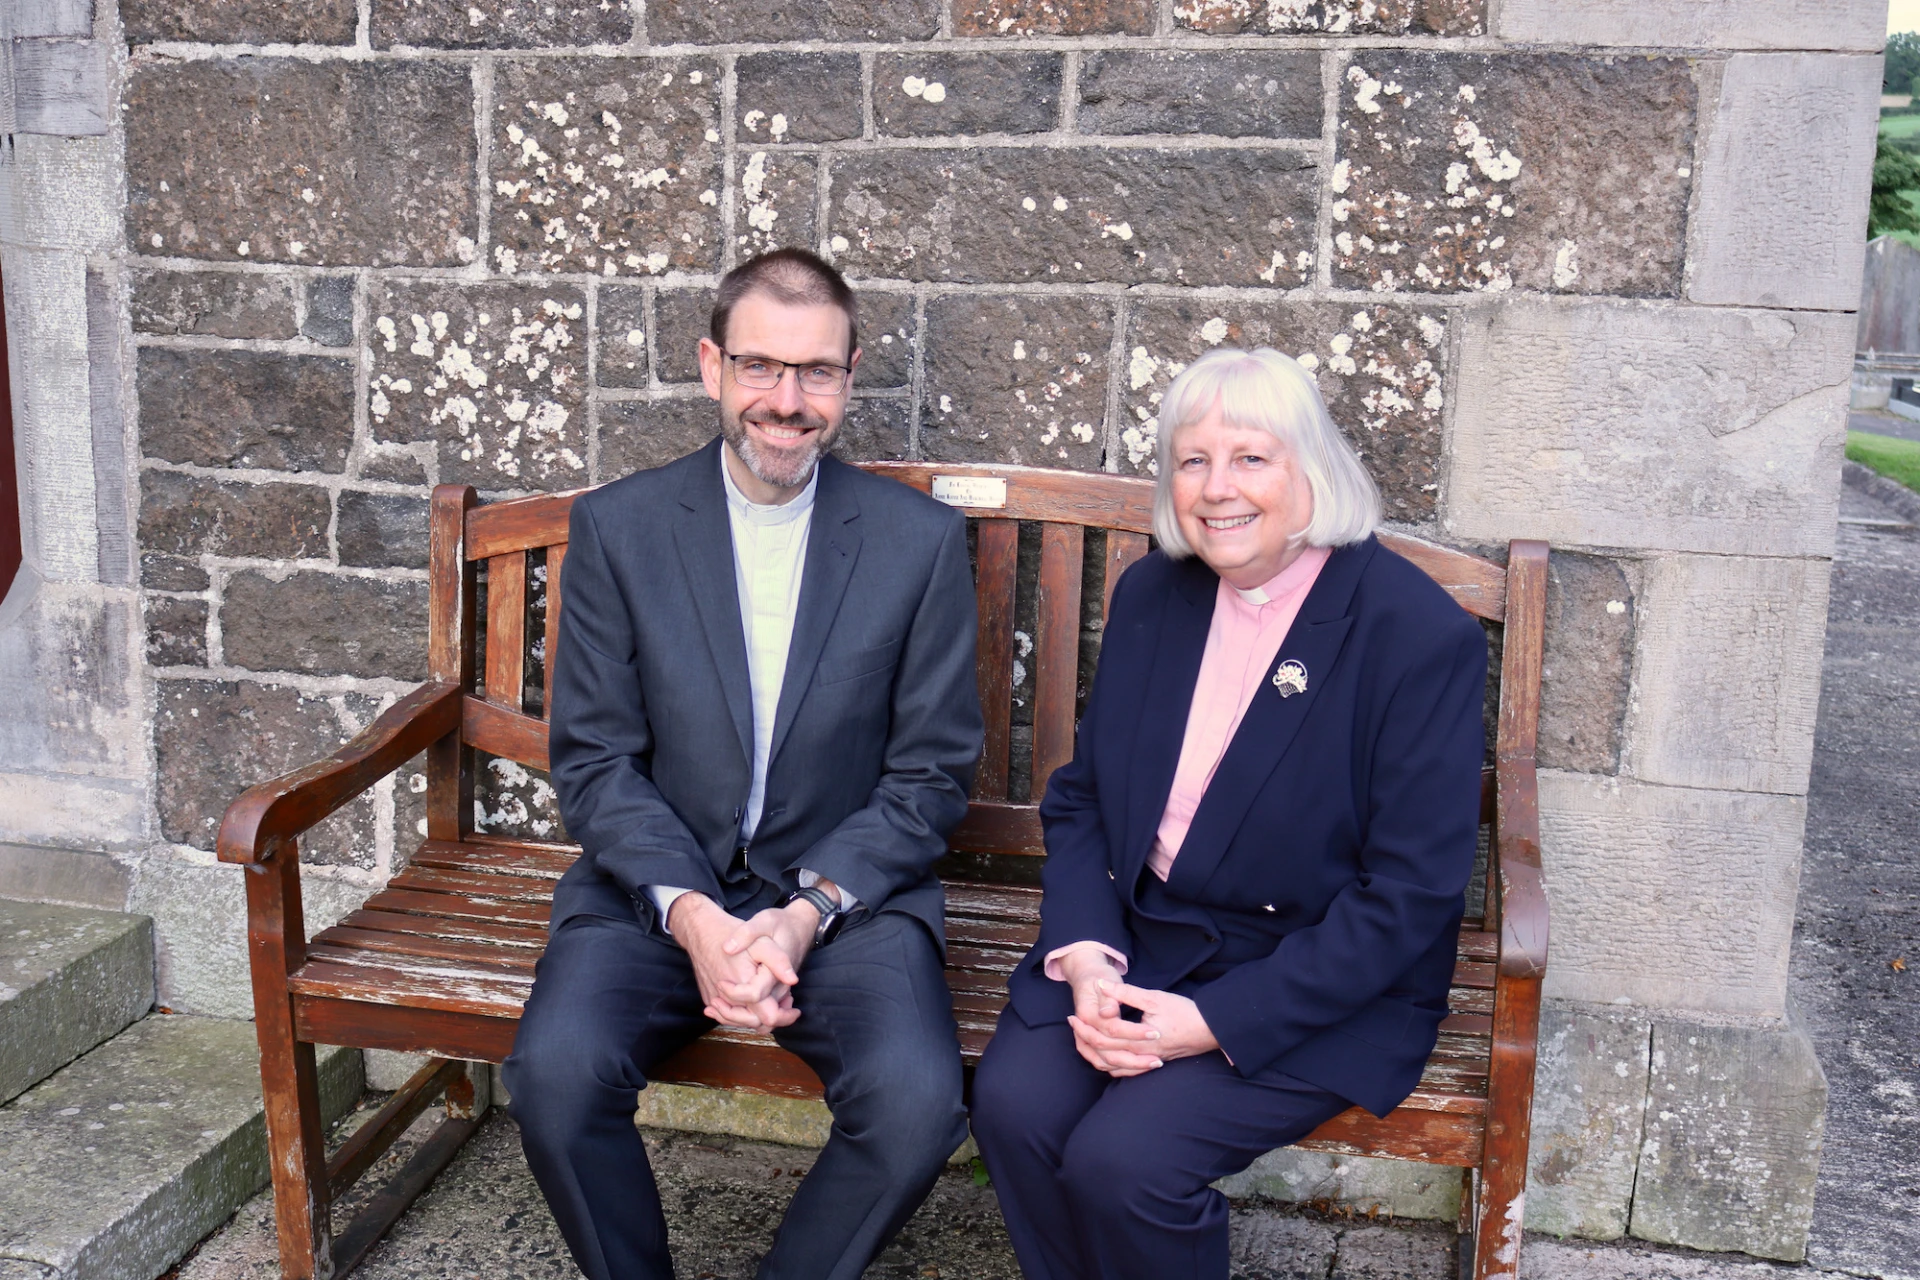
(733, 359)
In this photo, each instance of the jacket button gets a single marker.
(1268, 907)
(1109, 875)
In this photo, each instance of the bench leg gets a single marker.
(289, 1080)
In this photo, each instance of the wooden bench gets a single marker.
(441, 959)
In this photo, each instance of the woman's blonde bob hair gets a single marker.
(1265, 390)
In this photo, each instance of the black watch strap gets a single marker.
(831, 917)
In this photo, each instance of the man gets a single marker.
(764, 726)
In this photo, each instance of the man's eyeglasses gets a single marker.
(763, 374)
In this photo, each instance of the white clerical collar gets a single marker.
(1304, 568)
(763, 513)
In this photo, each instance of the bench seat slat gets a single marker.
(523, 936)
(509, 860)
(491, 995)
(456, 907)
(487, 956)
(474, 884)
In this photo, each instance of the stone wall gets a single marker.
(1582, 272)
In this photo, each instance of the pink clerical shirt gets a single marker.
(1242, 642)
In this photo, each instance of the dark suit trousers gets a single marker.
(1104, 1179)
(610, 1000)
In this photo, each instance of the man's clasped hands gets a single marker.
(747, 969)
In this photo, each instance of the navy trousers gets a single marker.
(610, 1000)
(1104, 1179)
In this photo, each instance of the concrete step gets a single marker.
(118, 1163)
(69, 978)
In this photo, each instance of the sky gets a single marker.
(1903, 15)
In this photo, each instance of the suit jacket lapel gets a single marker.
(1272, 722)
(833, 545)
(1173, 674)
(704, 535)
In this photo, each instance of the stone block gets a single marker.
(387, 1070)
(69, 978)
(887, 337)
(777, 21)
(199, 914)
(917, 94)
(1019, 379)
(176, 632)
(214, 739)
(409, 810)
(1649, 426)
(1381, 370)
(1588, 664)
(64, 877)
(1735, 1120)
(1786, 169)
(875, 429)
(1358, 1184)
(171, 573)
(60, 509)
(514, 801)
(254, 409)
(73, 810)
(1589, 1099)
(240, 21)
(637, 434)
(329, 311)
(495, 374)
(1333, 17)
(1270, 94)
(1127, 216)
(681, 318)
(1700, 24)
(1053, 17)
(315, 163)
(119, 1164)
(56, 18)
(1728, 680)
(327, 624)
(221, 304)
(69, 685)
(382, 530)
(1669, 897)
(1537, 171)
(607, 165)
(396, 463)
(620, 337)
(797, 97)
(62, 194)
(498, 24)
(799, 1122)
(60, 87)
(190, 515)
(775, 202)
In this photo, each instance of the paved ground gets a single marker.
(1859, 913)
(1860, 900)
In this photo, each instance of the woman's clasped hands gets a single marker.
(1170, 1025)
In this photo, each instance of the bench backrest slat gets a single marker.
(996, 553)
(507, 628)
(1056, 650)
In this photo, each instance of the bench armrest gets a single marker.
(1523, 890)
(272, 812)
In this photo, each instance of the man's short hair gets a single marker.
(791, 276)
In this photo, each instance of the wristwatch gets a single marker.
(831, 916)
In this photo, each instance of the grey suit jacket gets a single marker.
(878, 727)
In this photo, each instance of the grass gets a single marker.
(1896, 459)
(1903, 126)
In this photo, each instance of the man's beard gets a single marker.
(788, 468)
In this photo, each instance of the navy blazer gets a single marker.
(1312, 910)
(878, 727)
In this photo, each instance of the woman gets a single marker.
(1256, 859)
